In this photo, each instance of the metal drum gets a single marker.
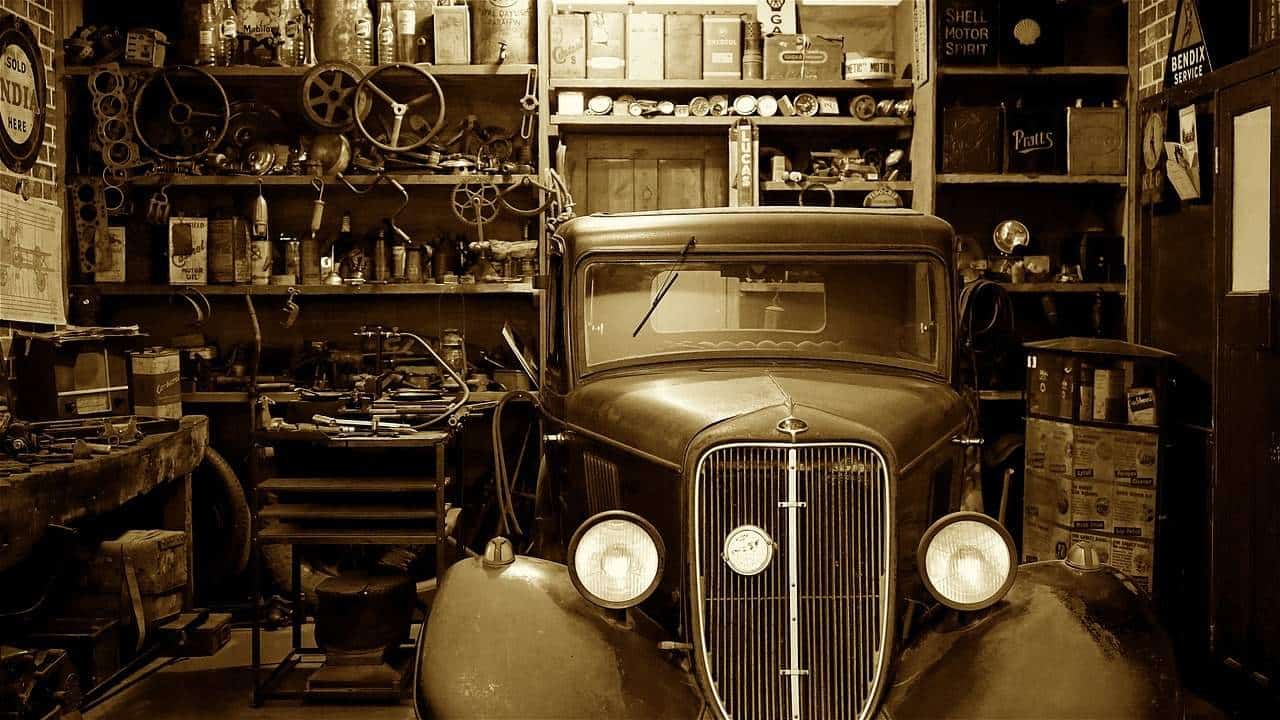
(502, 21)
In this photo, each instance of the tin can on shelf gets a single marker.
(260, 257)
(292, 248)
(156, 382)
(502, 23)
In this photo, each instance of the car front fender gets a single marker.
(1064, 643)
(519, 641)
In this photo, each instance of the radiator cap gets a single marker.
(1084, 556)
(499, 553)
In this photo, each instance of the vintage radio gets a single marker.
(721, 47)
(1033, 141)
(803, 57)
(972, 139)
(501, 25)
(1030, 33)
(70, 374)
(1095, 141)
(683, 48)
(644, 46)
(969, 31)
(606, 45)
(569, 45)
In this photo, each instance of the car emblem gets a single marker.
(748, 550)
(792, 426)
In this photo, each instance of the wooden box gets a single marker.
(606, 45)
(803, 57)
(972, 139)
(1095, 141)
(569, 45)
(721, 47)
(968, 32)
(644, 46)
(683, 48)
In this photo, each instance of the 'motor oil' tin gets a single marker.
(496, 22)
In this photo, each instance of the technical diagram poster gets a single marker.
(31, 261)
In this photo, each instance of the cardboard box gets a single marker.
(972, 139)
(1049, 447)
(452, 24)
(721, 47)
(744, 161)
(803, 57)
(1136, 458)
(569, 45)
(109, 257)
(188, 251)
(606, 45)
(645, 35)
(683, 48)
(1096, 141)
(229, 251)
(1047, 498)
(158, 559)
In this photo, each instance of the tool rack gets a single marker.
(339, 510)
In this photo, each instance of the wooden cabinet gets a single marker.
(627, 173)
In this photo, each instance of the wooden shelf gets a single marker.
(709, 85)
(1057, 287)
(407, 179)
(239, 397)
(305, 291)
(1007, 71)
(1022, 179)
(254, 72)
(842, 186)
(609, 123)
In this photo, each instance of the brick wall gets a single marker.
(1150, 35)
(40, 14)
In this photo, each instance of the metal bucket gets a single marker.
(495, 22)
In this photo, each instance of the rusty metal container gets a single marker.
(335, 30)
(495, 22)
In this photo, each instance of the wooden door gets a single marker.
(621, 173)
(1246, 499)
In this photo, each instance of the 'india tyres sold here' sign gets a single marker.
(17, 94)
(1188, 51)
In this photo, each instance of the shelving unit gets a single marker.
(610, 123)
(491, 288)
(253, 72)
(1014, 71)
(1119, 181)
(406, 179)
(730, 85)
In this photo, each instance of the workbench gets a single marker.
(72, 492)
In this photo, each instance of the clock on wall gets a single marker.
(22, 95)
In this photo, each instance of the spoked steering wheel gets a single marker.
(425, 89)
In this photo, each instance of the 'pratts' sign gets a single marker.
(1188, 52)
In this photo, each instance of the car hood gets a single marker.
(661, 413)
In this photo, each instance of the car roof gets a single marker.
(798, 229)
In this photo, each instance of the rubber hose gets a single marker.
(238, 539)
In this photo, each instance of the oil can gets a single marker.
(498, 23)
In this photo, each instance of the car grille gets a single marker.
(828, 662)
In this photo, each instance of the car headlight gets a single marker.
(615, 559)
(967, 560)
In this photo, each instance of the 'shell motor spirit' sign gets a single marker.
(1188, 51)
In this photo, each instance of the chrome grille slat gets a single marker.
(842, 545)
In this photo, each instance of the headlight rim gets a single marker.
(948, 520)
(635, 519)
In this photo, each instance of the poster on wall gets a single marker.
(31, 287)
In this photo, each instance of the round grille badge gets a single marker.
(748, 550)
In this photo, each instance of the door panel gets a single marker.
(1246, 498)
(634, 173)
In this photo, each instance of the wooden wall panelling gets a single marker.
(627, 173)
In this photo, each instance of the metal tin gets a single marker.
(745, 105)
(699, 107)
(622, 106)
(682, 111)
(229, 250)
(292, 256)
(570, 102)
(785, 105)
(682, 52)
(499, 23)
(666, 107)
(413, 265)
(260, 256)
(806, 104)
(719, 104)
(568, 45)
(863, 107)
(767, 106)
(828, 105)
(752, 65)
(600, 105)
(156, 382)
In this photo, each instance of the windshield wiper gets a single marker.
(672, 276)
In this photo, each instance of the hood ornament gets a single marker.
(792, 426)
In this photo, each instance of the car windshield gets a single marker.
(862, 308)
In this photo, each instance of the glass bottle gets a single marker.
(362, 47)
(207, 46)
(406, 12)
(293, 51)
(228, 29)
(386, 34)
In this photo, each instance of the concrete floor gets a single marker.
(219, 687)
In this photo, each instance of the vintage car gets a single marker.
(759, 448)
